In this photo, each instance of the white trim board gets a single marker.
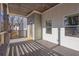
(34, 11)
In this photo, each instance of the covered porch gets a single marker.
(30, 30)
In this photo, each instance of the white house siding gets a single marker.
(57, 14)
(37, 22)
(25, 27)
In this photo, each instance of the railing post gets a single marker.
(59, 34)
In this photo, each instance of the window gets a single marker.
(72, 25)
(1, 21)
(49, 26)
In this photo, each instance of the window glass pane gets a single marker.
(72, 26)
(73, 20)
(49, 26)
(49, 30)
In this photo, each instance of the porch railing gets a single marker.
(14, 34)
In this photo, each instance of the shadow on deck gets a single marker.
(36, 48)
(29, 48)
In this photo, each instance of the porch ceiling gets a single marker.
(26, 8)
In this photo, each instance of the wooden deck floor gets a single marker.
(29, 48)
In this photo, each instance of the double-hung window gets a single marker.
(72, 25)
(49, 27)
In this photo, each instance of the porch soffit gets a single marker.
(26, 8)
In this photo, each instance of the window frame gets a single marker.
(49, 26)
(73, 27)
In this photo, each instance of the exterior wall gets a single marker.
(25, 27)
(57, 14)
(31, 18)
(37, 26)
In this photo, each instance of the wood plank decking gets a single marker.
(29, 48)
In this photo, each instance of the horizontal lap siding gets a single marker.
(57, 14)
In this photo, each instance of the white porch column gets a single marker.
(28, 31)
(33, 31)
